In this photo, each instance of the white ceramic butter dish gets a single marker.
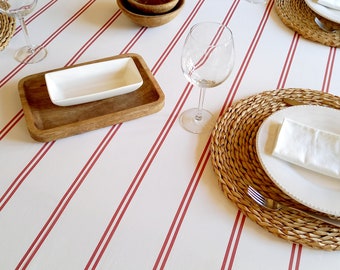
(92, 82)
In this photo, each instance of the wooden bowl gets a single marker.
(149, 20)
(153, 6)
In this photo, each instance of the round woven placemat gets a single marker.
(234, 159)
(300, 18)
(7, 27)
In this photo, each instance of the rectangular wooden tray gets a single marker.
(48, 122)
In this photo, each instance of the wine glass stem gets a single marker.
(198, 116)
(24, 29)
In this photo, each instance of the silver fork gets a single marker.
(325, 28)
(274, 205)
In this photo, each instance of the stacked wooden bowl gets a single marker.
(151, 13)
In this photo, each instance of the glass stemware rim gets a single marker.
(220, 25)
(16, 11)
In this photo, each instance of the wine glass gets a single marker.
(207, 60)
(20, 8)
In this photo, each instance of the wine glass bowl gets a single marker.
(19, 9)
(207, 61)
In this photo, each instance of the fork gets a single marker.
(324, 27)
(275, 205)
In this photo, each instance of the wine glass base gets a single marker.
(189, 121)
(30, 55)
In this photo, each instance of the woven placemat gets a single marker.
(234, 159)
(7, 28)
(300, 18)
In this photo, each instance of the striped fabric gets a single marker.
(142, 194)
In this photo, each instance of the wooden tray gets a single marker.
(48, 122)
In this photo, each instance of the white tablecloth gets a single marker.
(143, 194)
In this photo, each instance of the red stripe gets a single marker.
(298, 258)
(209, 51)
(218, 34)
(245, 63)
(67, 23)
(6, 129)
(238, 226)
(12, 73)
(329, 69)
(295, 257)
(177, 36)
(237, 240)
(288, 62)
(23, 174)
(292, 255)
(87, 45)
(181, 211)
(134, 40)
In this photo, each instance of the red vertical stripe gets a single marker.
(288, 62)
(233, 241)
(329, 69)
(7, 128)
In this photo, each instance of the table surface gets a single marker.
(143, 194)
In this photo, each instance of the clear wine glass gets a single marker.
(19, 9)
(207, 61)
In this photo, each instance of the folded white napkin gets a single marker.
(309, 147)
(334, 4)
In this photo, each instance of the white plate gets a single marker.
(328, 13)
(93, 82)
(317, 191)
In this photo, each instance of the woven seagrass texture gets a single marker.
(234, 159)
(7, 27)
(299, 17)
